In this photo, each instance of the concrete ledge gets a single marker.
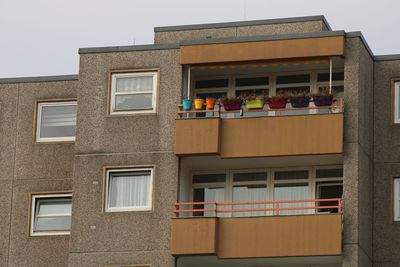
(242, 23)
(40, 79)
(358, 34)
(109, 49)
(387, 57)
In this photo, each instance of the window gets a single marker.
(133, 93)
(129, 190)
(51, 214)
(397, 199)
(56, 121)
(396, 102)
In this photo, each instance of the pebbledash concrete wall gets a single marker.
(28, 167)
(386, 163)
(175, 34)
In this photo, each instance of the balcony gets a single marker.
(266, 132)
(313, 230)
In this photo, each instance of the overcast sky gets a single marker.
(42, 37)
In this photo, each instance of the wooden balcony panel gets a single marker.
(192, 236)
(197, 136)
(282, 136)
(262, 50)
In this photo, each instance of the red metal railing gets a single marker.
(338, 107)
(276, 206)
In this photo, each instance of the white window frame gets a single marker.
(34, 198)
(40, 106)
(396, 199)
(228, 185)
(154, 92)
(396, 104)
(149, 207)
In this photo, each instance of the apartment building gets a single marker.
(108, 168)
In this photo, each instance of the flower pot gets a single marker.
(198, 103)
(277, 103)
(255, 103)
(230, 106)
(300, 102)
(187, 104)
(323, 100)
(210, 102)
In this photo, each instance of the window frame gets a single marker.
(396, 102)
(38, 120)
(133, 73)
(32, 213)
(396, 199)
(149, 207)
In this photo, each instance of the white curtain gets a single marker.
(134, 84)
(249, 194)
(129, 190)
(58, 121)
(214, 195)
(290, 192)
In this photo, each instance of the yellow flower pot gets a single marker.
(198, 103)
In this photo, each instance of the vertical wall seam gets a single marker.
(13, 176)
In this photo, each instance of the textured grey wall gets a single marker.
(28, 167)
(387, 166)
(284, 28)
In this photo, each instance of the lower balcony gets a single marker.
(308, 231)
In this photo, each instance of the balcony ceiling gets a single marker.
(213, 261)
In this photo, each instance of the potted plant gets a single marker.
(278, 101)
(210, 103)
(231, 104)
(323, 98)
(254, 101)
(300, 99)
(187, 104)
(198, 103)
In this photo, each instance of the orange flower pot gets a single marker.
(210, 102)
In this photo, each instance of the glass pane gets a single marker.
(211, 95)
(219, 83)
(329, 173)
(329, 190)
(134, 84)
(252, 81)
(53, 223)
(129, 189)
(250, 176)
(58, 121)
(303, 78)
(290, 175)
(256, 92)
(211, 194)
(292, 192)
(209, 178)
(250, 193)
(337, 90)
(54, 206)
(336, 76)
(133, 102)
(294, 90)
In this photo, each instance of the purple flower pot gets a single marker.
(323, 100)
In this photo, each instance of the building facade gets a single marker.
(108, 168)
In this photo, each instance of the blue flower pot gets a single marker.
(187, 104)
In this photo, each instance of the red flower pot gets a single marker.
(277, 103)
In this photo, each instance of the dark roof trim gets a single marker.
(57, 78)
(361, 36)
(242, 23)
(387, 57)
(263, 38)
(109, 49)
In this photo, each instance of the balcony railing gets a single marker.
(219, 111)
(278, 206)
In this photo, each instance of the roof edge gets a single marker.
(33, 79)
(358, 34)
(262, 38)
(390, 57)
(242, 23)
(128, 48)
